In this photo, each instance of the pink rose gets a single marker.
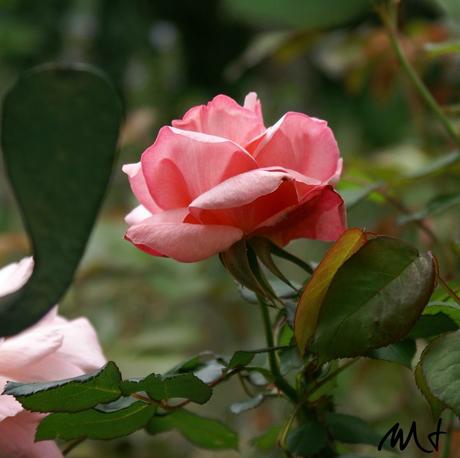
(52, 349)
(218, 175)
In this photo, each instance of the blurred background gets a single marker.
(329, 59)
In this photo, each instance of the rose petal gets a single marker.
(320, 218)
(301, 143)
(181, 165)
(15, 275)
(79, 352)
(182, 241)
(223, 117)
(17, 435)
(28, 347)
(139, 186)
(137, 215)
(8, 405)
(245, 188)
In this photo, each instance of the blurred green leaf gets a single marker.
(159, 388)
(290, 360)
(400, 352)
(247, 404)
(434, 207)
(451, 7)
(443, 48)
(59, 133)
(354, 194)
(374, 299)
(312, 14)
(70, 395)
(241, 358)
(268, 440)
(437, 165)
(282, 290)
(350, 429)
(200, 431)
(307, 439)
(94, 424)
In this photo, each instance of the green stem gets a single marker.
(388, 16)
(448, 439)
(449, 290)
(279, 380)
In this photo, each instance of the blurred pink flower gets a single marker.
(218, 175)
(52, 349)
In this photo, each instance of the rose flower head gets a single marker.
(52, 349)
(218, 175)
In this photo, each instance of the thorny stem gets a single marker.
(283, 435)
(279, 380)
(388, 15)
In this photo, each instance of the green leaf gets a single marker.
(437, 407)
(436, 206)
(400, 352)
(200, 431)
(268, 440)
(247, 404)
(59, 133)
(312, 297)
(194, 363)
(374, 299)
(70, 395)
(311, 14)
(432, 325)
(350, 429)
(93, 424)
(308, 439)
(438, 375)
(450, 309)
(160, 388)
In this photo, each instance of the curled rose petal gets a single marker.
(262, 195)
(301, 143)
(182, 241)
(181, 165)
(320, 218)
(223, 117)
(139, 187)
